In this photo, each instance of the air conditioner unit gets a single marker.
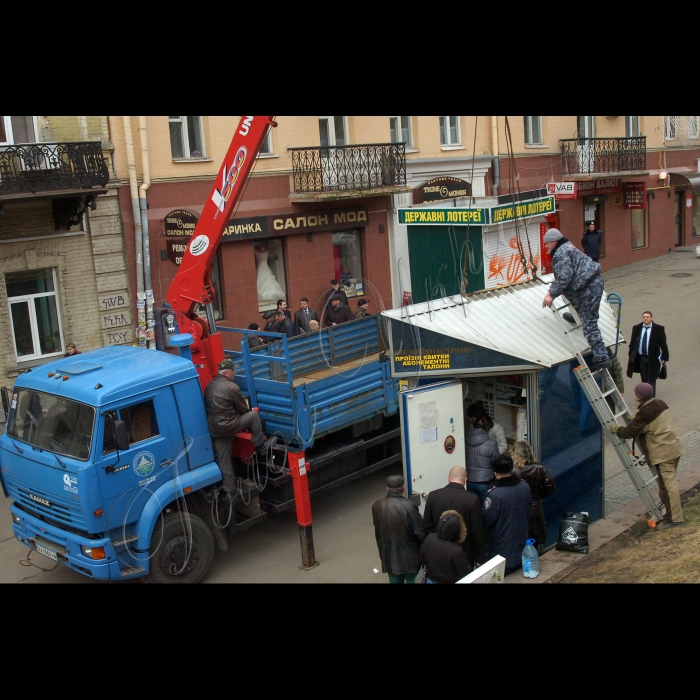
(40, 160)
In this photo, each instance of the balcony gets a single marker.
(342, 172)
(585, 158)
(30, 168)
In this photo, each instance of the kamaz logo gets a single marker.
(39, 499)
(228, 178)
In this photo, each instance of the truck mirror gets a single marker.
(121, 435)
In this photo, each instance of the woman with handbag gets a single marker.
(541, 484)
(442, 552)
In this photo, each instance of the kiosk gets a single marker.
(499, 346)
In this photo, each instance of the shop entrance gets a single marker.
(680, 202)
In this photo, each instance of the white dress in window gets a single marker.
(268, 287)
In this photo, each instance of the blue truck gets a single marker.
(108, 459)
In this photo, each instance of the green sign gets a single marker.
(534, 207)
(443, 216)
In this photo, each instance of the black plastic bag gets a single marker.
(573, 533)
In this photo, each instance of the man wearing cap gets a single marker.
(661, 446)
(228, 414)
(399, 530)
(337, 290)
(506, 514)
(578, 277)
(591, 241)
(337, 312)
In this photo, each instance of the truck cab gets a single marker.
(96, 449)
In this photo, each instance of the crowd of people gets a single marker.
(306, 320)
(490, 507)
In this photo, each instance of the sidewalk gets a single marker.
(667, 285)
(555, 565)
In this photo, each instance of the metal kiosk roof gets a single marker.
(498, 330)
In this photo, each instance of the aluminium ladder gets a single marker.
(597, 396)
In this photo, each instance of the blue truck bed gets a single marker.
(314, 384)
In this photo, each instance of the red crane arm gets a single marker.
(192, 283)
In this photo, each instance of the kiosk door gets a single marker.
(432, 433)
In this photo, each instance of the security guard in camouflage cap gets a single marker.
(228, 414)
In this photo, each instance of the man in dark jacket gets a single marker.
(283, 325)
(304, 315)
(480, 449)
(399, 530)
(335, 284)
(506, 514)
(337, 312)
(454, 496)
(228, 414)
(647, 344)
(591, 240)
(578, 277)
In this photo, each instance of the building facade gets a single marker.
(62, 257)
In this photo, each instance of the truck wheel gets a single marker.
(169, 549)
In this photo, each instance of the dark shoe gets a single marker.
(568, 317)
(263, 448)
(605, 364)
(664, 524)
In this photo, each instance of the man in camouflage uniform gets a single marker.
(578, 277)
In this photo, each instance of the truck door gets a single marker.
(128, 478)
(432, 433)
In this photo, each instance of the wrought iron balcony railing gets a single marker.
(361, 167)
(35, 167)
(580, 156)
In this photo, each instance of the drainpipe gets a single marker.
(143, 205)
(138, 233)
(82, 122)
(494, 150)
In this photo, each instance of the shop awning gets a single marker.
(508, 320)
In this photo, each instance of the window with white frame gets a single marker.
(671, 123)
(533, 130)
(586, 127)
(449, 131)
(186, 137)
(693, 127)
(333, 131)
(266, 148)
(34, 312)
(400, 128)
(632, 127)
(18, 130)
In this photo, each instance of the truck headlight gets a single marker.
(93, 552)
(16, 518)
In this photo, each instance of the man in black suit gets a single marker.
(455, 496)
(282, 306)
(303, 316)
(647, 343)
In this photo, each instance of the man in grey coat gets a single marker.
(399, 530)
(578, 277)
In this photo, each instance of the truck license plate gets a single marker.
(46, 552)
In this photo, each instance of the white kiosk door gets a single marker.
(432, 433)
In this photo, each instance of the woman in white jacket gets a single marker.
(496, 433)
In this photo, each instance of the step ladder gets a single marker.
(597, 395)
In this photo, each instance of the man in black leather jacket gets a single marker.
(398, 528)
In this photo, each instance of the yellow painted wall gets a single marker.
(302, 131)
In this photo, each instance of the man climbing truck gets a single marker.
(107, 455)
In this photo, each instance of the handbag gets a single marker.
(663, 372)
(421, 575)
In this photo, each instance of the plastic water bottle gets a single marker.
(531, 560)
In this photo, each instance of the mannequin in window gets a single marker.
(268, 287)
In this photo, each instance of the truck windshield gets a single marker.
(51, 422)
